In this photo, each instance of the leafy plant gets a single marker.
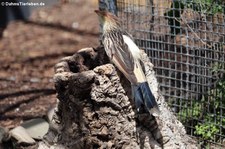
(206, 130)
(206, 115)
(204, 6)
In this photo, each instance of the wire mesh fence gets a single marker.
(185, 40)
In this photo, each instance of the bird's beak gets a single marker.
(98, 12)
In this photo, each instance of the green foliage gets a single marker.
(188, 113)
(217, 67)
(206, 115)
(205, 6)
(207, 130)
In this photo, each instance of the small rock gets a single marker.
(12, 78)
(21, 135)
(34, 80)
(75, 25)
(36, 128)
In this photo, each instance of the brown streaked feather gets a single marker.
(118, 52)
(129, 76)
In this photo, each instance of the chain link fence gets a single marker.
(185, 40)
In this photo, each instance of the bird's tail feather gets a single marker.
(143, 96)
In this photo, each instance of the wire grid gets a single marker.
(185, 41)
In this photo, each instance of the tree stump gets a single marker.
(95, 109)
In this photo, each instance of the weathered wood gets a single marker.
(95, 109)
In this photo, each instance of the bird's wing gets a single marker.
(133, 48)
(119, 52)
(124, 56)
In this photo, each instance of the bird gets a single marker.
(125, 54)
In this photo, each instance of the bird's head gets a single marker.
(108, 20)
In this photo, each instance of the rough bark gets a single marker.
(95, 109)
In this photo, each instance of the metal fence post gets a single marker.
(109, 5)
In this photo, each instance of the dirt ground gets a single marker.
(29, 51)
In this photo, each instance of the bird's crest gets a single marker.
(108, 17)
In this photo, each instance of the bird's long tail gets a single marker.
(143, 96)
